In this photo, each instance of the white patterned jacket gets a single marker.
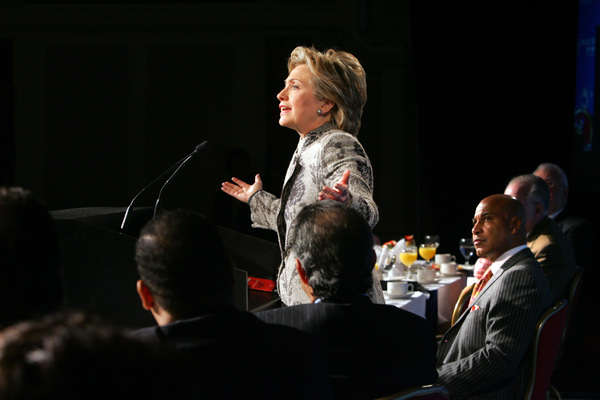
(320, 159)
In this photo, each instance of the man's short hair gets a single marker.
(335, 246)
(181, 259)
(557, 174)
(31, 276)
(71, 355)
(537, 188)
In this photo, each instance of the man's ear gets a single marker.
(145, 295)
(304, 280)
(515, 225)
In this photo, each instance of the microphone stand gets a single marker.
(177, 165)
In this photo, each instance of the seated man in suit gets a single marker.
(578, 231)
(374, 349)
(544, 238)
(31, 281)
(186, 283)
(483, 354)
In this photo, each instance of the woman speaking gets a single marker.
(322, 99)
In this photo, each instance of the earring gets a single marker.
(319, 112)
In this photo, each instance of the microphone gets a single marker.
(178, 163)
(201, 146)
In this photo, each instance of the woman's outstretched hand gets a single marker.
(240, 189)
(339, 192)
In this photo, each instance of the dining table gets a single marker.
(434, 300)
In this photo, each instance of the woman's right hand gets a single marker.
(240, 189)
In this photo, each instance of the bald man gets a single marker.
(544, 238)
(483, 354)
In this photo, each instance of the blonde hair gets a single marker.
(337, 76)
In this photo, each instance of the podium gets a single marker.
(99, 263)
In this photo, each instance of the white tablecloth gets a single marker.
(415, 303)
(448, 289)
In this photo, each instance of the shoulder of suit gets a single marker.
(540, 242)
(337, 136)
(573, 222)
(527, 269)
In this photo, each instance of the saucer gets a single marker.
(457, 273)
(398, 296)
(433, 280)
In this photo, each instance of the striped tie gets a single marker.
(480, 284)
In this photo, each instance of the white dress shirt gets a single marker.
(495, 266)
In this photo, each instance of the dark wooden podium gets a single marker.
(100, 272)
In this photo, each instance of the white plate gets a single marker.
(398, 296)
(469, 268)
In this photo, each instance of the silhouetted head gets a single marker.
(70, 355)
(181, 260)
(30, 272)
(558, 184)
(534, 195)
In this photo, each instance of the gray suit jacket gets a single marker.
(320, 159)
(483, 354)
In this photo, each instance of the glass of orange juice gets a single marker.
(408, 255)
(427, 251)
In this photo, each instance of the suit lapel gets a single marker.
(507, 264)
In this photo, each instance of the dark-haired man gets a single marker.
(186, 283)
(544, 237)
(374, 349)
(31, 276)
(483, 354)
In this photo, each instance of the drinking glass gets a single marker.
(408, 255)
(432, 239)
(427, 251)
(466, 248)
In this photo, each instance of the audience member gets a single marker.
(186, 283)
(544, 238)
(483, 354)
(578, 230)
(580, 233)
(31, 283)
(373, 349)
(70, 355)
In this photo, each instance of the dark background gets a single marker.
(98, 98)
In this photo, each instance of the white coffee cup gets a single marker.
(448, 268)
(425, 275)
(397, 288)
(444, 258)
